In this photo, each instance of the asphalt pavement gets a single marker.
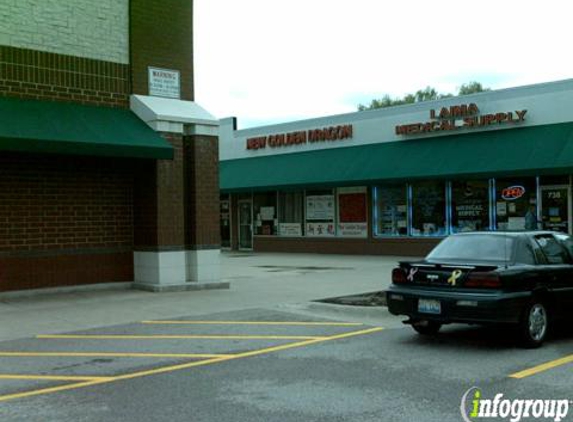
(263, 351)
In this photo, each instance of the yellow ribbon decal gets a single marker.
(455, 275)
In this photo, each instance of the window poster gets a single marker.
(290, 229)
(352, 212)
(320, 229)
(320, 207)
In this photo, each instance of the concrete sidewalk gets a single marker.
(261, 280)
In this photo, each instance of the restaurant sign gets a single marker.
(464, 116)
(302, 137)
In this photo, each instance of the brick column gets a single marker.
(177, 233)
(202, 229)
(159, 221)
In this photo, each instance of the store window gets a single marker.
(225, 218)
(291, 211)
(320, 213)
(390, 210)
(515, 204)
(470, 205)
(265, 213)
(352, 212)
(429, 209)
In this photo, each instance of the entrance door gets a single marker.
(556, 208)
(245, 225)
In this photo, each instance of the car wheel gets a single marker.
(534, 324)
(427, 328)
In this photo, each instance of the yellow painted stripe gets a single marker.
(172, 337)
(52, 377)
(115, 355)
(187, 365)
(543, 367)
(286, 323)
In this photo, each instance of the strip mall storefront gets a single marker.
(396, 180)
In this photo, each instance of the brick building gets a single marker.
(397, 180)
(108, 168)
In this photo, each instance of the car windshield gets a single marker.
(475, 247)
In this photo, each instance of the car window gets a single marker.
(524, 253)
(485, 247)
(552, 250)
(566, 241)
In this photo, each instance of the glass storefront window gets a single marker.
(291, 210)
(320, 213)
(515, 203)
(352, 212)
(225, 218)
(390, 210)
(429, 209)
(470, 205)
(265, 213)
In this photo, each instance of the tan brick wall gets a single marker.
(83, 28)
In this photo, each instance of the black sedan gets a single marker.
(519, 278)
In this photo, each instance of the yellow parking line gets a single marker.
(52, 377)
(187, 365)
(286, 323)
(543, 367)
(172, 337)
(114, 355)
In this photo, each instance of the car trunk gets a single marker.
(444, 274)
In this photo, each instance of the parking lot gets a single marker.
(282, 361)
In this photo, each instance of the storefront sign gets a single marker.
(164, 83)
(464, 116)
(512, 193)
(290, 229)
(333, 133)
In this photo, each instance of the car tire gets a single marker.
(534, 324)
(426, 328)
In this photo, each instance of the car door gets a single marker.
(567, 287)
(557, 272)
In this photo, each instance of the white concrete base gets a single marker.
(204, 266)
(160, 268)
(178, 271)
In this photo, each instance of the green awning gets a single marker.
(66, 128)
(535, 150)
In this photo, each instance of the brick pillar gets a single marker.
(202, 229)
(177, 233)
(159, 220)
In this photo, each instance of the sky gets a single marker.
(269, 61)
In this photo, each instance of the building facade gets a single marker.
(395, 181)
(109, 169)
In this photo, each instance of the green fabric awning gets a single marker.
(67, 128)
(535, 150)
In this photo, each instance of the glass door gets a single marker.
(556, 208)
(245, 225)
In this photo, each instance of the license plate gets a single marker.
(429, 306)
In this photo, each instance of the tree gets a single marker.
(471, 88)
(426, 94)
